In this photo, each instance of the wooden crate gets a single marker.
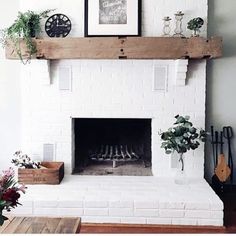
(52, 175)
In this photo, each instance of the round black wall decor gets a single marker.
(58, 25)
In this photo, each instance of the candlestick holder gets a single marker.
(178, 21)
(166, 27)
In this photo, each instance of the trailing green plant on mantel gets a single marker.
(26, 26)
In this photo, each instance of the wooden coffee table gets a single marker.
(41, 225)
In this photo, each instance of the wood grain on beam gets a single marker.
(119, 48)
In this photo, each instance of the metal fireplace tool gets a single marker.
(223, 172)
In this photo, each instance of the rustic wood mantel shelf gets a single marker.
(123, 48)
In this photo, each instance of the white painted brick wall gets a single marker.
(121, 212)
(145, 205)
(96, 204)
(111, 88)
(122, 89)
(171, 213)
(70, 203)
(96, 212)
(159, 221)
(120, 204)
(146, 212)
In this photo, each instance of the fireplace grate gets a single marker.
(114, 152)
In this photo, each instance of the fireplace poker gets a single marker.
(221, 143)
(228, 134)
(213, 145)
(216, 142)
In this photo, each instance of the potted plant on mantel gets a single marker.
(31, 172)
(26, 26)
(181, 138)
(195, 25)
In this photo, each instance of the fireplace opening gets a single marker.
(112, 146)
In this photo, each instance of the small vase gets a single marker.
(180, 177)
(196, 33)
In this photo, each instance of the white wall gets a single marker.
(10, 116)
(221, 76)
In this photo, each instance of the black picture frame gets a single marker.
(139, 25)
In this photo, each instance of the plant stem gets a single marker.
(1, 217)
(182, 161)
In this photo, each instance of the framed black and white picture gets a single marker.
(112, 18)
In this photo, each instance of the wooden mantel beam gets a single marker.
(123, 48)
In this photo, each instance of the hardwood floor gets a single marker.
(228, 197)
(124, 228)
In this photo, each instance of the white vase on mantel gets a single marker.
(180, 176)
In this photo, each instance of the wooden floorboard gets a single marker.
(125, 228)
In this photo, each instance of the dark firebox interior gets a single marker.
(99, 143)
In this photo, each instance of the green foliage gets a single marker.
(2, 219)
(182, 137)
(26, 26)
(195, 24)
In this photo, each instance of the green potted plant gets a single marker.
(181, 138)
(26, 26)
(195, 25)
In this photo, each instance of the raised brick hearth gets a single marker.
(119, 199)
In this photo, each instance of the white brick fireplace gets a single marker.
(111, 89)
(152, 89)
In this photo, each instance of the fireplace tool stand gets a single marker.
(222, 180)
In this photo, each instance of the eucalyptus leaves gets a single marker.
(182, 137)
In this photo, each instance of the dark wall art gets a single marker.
(112, 18)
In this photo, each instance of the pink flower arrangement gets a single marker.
(9, 192)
